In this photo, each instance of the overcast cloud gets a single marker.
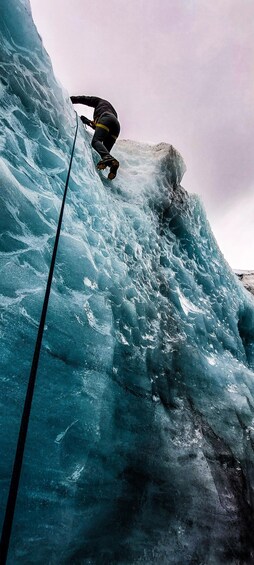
(179, 71)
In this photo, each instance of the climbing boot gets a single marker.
(106, 162)
(113, 169)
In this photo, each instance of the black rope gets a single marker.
(14, 484)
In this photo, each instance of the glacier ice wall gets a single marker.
(140, 446)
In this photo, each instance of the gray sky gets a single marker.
(179, 71)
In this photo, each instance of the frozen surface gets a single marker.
(247, 278)
(140, 447)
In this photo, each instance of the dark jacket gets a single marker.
(100, 105)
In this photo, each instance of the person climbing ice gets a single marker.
(107, 129)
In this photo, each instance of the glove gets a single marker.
(73, 99)
(85, 120)
(88, 122)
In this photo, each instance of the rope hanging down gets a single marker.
(14, 484)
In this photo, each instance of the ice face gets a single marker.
(140, 446)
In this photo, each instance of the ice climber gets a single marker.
(107, 129)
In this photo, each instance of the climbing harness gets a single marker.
(14, 484)
(107, 129)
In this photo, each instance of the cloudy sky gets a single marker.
(179, 71)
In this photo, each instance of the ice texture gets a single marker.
(247, 278)
(140, 445)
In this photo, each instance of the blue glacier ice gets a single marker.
(140, 444)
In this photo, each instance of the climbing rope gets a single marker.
(14, 484)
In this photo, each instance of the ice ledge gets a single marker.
(171, 161)
(247, 278)
(162, 161)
